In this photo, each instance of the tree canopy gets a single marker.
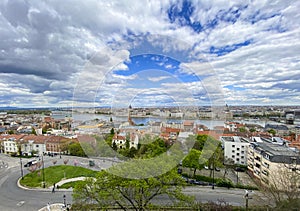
(109, 190)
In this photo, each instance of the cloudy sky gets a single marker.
(149, 53)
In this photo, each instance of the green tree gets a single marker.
(114, 146)
(242, 129)
(109, 190)
(76, 150)
(192, 161)
(200, 141)
(272, 131)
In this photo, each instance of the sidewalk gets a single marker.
(54, 207)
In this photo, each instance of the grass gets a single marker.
(70, 184)
(54, 174)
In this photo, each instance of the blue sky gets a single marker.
(104, 53)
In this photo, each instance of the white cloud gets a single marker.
(49, 48)
(156, 79)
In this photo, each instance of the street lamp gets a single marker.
(213, 184)
(64, 196)
(21, 168)
(44, 185)
(247, 197)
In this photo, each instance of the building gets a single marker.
(188, 125)
(266, 161)
(235, 148)
(33, 144)
(119, 140)
(56, 144)
(11, 143)
(11, 146)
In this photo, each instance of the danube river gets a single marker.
(81, 117)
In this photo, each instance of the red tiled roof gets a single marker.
(170, 130)
(13, 136)
(37, 139)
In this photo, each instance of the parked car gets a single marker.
(239, 169)
(30, 163)
(196, 182)
(185, 178)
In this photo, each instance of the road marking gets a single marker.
(20, 203)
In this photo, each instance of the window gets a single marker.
(233, 146)
(233, 151)
(37, 145)
(242, 152)
(237, 149)
(242, 157)
(237, 154)
(243, 147)
(233, 156)
(237, 159)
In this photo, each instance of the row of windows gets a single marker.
(9, 149)
(9, 144)
(233, 156)
(243, 152)
(233, 146)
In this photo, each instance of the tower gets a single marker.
(129, 116)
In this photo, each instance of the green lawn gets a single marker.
(55, 174)
(70, 184)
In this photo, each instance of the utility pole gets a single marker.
(44, 185)
(21, 167)
(213, 185)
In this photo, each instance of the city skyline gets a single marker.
(98, 54)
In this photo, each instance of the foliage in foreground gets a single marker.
(109, 190)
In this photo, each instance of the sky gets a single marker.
(149, 53)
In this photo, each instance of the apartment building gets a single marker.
(235, 148)
(267, 161)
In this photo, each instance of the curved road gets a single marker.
(14, 198)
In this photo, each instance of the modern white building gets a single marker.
(235, 148)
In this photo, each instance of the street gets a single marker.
(14, 198)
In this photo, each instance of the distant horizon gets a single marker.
(68, 107)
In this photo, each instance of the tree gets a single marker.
(282, 186)
(114, 146)
(242, 129)
(192, 161)
(66, 161)
(272, 131)
(252, 130)
(109, 190)
(229, 164)
(76, 150)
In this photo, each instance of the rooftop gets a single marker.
(276, 153)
